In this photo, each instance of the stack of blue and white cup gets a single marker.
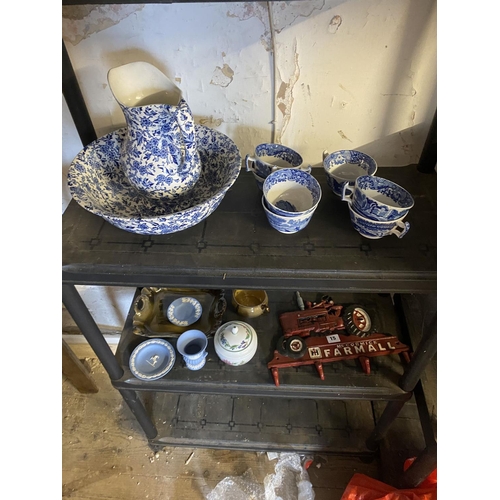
(290, 194)
(377, 206)
(290, 197)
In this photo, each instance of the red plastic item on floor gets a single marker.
(362, 487)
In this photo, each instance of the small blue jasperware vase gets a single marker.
(159, 154)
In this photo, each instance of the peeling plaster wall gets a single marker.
(316, 75)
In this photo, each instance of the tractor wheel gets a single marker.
(357, 321)
(280, 346)
(295, 347)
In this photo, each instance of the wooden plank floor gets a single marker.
(105, 455)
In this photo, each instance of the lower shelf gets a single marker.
(260, 423)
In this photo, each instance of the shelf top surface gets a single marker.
(236, 247)
(344, 378)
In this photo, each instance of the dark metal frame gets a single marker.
(85, 274)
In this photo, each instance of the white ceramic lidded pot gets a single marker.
(235, 343)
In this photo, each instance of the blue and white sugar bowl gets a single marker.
(377, 198)
(345, 166)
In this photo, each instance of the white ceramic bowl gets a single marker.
(99, 185)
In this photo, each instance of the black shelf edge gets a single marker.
(235, 247)
(259, 390)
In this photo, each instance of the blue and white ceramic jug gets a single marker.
(159, 154)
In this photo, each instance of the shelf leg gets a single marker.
(84, 320)
(424, 352)
(423, 465)
(140, 413)
(388, 416)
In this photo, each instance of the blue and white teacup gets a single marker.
(269, 157)
(290, 192)
(192, 345)
(377, 198)
(346, 165)
(287, 225)
(258, 180)
(375, 229)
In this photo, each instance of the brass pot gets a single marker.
(250, 303)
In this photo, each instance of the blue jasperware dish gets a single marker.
(152, 359)
(184, 311)
(98, 184)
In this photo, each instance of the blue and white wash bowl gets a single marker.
(158, 154)
(290, 192)
(287, 225)
(98, 184)
(375, 229)
(377, 198)
(269, 157)
(346, 165)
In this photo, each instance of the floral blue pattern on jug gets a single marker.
(159, 154)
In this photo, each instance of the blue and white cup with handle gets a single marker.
(269, 157)
(375, 229)
(377, 198)
(345, 166)
(192, 346)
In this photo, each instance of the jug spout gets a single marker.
(159, 154)
(140, 84)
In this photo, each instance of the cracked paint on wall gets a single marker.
(341, 133)
(222, 76)
(81, 21)
(248, 10)
(286, 13)
(211, 121)
(334, 25)
(284, 97)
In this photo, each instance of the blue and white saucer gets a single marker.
(152, 359)
(184, 311)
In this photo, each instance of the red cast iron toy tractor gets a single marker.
(304, 340)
